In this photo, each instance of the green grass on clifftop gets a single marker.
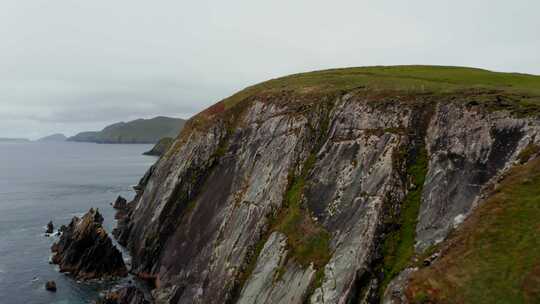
(411, 79)
(494, 256)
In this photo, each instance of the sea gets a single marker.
(40, 182)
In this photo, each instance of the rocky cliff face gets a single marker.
(311, 198)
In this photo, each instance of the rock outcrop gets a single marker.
(161, 147)
(50, 286)
(305, 196)
(86, 251)
(120, 203)
(124, 295)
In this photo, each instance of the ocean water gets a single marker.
(40, 182)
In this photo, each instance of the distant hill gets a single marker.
(134, 132)
(54, 137)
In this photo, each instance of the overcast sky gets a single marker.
(73, 65)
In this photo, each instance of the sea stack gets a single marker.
(50, 228)
(86, 251)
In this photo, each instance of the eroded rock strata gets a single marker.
(86, 252)
(296, 197)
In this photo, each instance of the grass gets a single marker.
(495, 256)
(399, 244)
(412, 79)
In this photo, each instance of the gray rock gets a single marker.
(267, 285)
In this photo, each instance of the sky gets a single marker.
(71, 65)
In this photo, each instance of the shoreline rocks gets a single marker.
(124, 295)
(86, 251)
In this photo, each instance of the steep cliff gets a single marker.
(325, 187)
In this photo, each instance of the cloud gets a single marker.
(70, 65)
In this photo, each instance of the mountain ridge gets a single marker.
(135, 131)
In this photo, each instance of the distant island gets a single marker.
(53, 138)
(140, 131)
(7, 139)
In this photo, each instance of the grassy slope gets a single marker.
(495, 256)
(438, 79)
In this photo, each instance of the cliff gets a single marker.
(140, 131)
(331, 186)
(160, 147)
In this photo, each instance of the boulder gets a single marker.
(86, 251)
(50, 286)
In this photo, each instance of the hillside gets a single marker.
(495, 256)
(360, 185)
(136, 131)
(53, 138)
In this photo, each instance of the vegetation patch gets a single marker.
(413, 79)
(398, 247)
(494, 256)
(308, 242)
(528, 152)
